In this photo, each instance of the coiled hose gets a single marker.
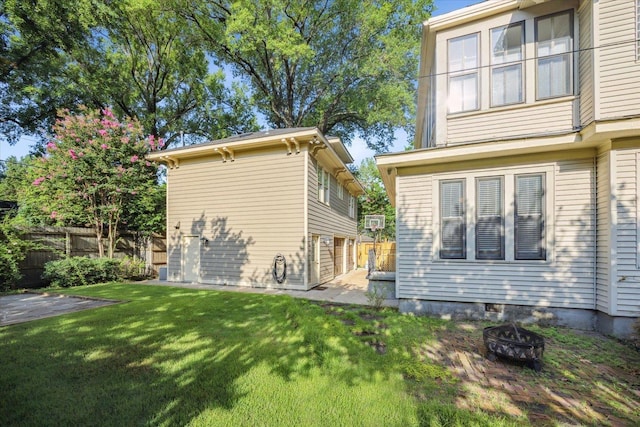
(279, 268)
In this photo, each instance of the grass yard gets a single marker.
(172, 356)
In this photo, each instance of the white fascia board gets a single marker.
(264, 140)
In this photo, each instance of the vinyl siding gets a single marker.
(328, 221)
(618, 69)
(539, 119)
(585, 64)
(628, 277)
(250, 210)
(566, 280)
(603, 244)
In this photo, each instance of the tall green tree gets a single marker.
(94, 172)
(135, 56)
(347, 66)
(375, 200)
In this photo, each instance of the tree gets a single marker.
(348, 67)
(94, 172)
(134, 56)
(375, 201)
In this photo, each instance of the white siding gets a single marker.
(250, 210)
(566, 280)
(619, 71)
(328, 221)
(550, 117)
(628, 277)
(585, 64)
(603, 243)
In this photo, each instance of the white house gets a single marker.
(520, 199)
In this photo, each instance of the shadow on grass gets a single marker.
(169, 355)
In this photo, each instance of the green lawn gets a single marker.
(171, 356)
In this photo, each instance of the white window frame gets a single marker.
(340, 191)
(503, 62)
(509, 174)
(501, 216)
(352, 206)
(324, 185)
(464, 72)
(568, 53)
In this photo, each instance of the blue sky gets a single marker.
(358, 149)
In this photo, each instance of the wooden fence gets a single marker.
(385, 255)
(60, 242)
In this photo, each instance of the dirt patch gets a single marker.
(579, 383)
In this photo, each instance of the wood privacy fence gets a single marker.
(385, 255)
(61, 242)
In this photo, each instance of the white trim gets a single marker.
(508, 173)
(613, 234)
(305, 210)
(638, 205)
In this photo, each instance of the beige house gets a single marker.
(520, 199)
(235, 205)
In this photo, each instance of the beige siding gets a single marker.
(627, 301)
(566, 280)
(328, 221)
(539, 119)
(250, 210)
(585, 17)
(603, 244)
(618, 69)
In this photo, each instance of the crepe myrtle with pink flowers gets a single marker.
(94, 170)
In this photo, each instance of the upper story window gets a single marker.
(340, 192)
(323, 185)
(463, 73)
(507, 64)
(352, 206)
(554, 46)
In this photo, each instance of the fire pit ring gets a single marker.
(515, 343)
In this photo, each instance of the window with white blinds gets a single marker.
(507, 64)
(452, 219)
(489, 218)
(463, 62)
(554, 41)
(529, 217)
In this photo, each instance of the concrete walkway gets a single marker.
(348, 288)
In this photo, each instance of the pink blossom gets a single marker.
(160, 142)
(38, 181)
(51, 146)
(134, 158)
(102, 132)
(107, 112)
(73, 154)
(53, 215)
(104, 146)
(147, 163)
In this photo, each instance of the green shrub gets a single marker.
(81, 271)
(13, 249)
(132, 269)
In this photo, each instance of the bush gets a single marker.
(81, 271)
(13, 249)
(132, 269)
